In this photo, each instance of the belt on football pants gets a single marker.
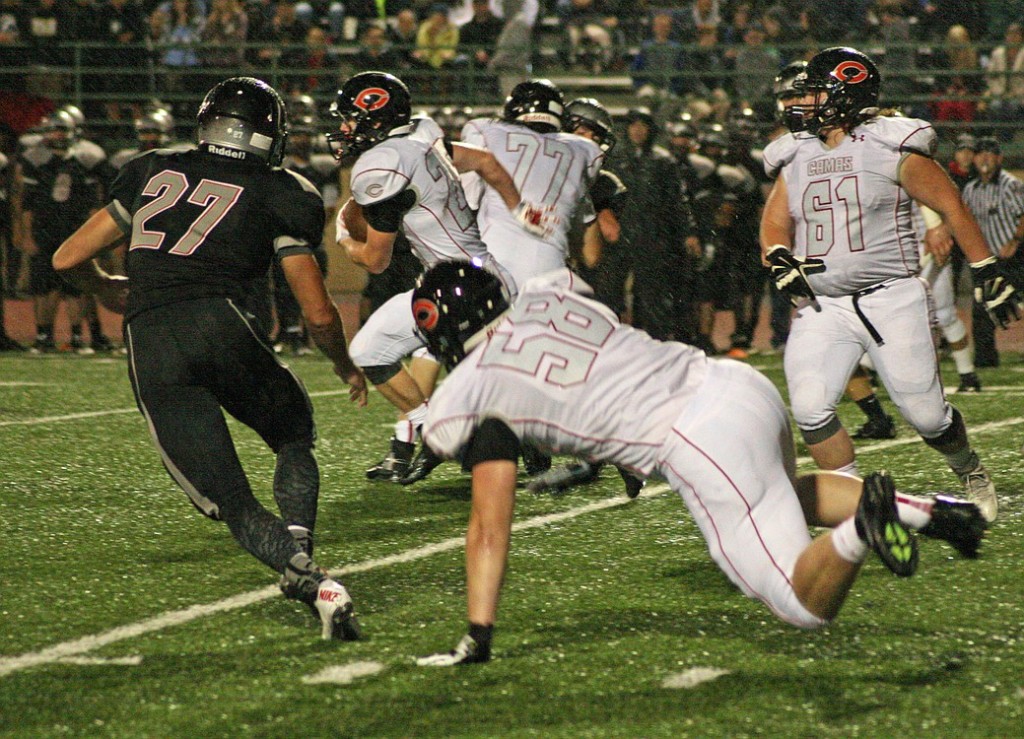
(864, 319)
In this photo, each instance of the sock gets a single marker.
(76, 333)
(962, 461)
(303, 577)
(872, 408)
(405, 431)
(849, 469)
(95, 330)
(408, 429)
(914, 511)
(964, 359)
(303, 537)
(44, 332)
(482, 636)
(847, 542)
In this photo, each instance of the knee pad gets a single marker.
(378, 374)
(954, 331)
(928, 418)
(810, 405)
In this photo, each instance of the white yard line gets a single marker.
(69, 649)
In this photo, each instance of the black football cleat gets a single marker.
(422, 465)
(395, 466)
(877, 429)
(957, 522)
(878, 524)
(634, 484)
(969, 383)
(560, 479)
(535, 461)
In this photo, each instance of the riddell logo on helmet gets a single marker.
(372, 98)
(850, 72)
(426, 314)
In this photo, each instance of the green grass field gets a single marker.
(126, 613)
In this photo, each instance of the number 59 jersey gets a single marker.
(847, 204)
(203, 225)
(553, 170)
(562, 372)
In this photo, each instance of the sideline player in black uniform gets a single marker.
(203, 224)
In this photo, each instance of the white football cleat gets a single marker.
(337, 612)
(980, 490)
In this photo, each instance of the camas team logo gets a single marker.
(850, 72)
(371, 99)
(425, 312)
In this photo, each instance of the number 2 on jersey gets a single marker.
(167, 187)
(827, 210)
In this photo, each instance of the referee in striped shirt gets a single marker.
(996, 198)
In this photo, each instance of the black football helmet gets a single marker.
(537, 104)
(590, 113)
(451, 303)
(785, 93)
(60, 131)
(373, 104)
(244, 115)
(154, 129)
(848, 83)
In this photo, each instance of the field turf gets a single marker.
(124, 612)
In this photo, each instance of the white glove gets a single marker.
(537, 219)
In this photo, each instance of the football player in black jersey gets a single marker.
(202, 225)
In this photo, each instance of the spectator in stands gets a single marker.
(47, 29)
(376, 53)
(327, 14)
(1004, 78)
(660, 61)
(900, 58)
(589, 29)
(123, 28)
(959, 81)
(226, 30)
(320, 62)
(12, 33)
(703, 15)
(706, 63)
(735, 29)
(179, 55)
(756, 67)
(437, 39)
(936, 17)
(479, 35)
(512, 50)
(834, 21)
(403, 36)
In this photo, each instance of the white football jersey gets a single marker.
(440, 225)
(550, 169)
(564, 374)
(847, 204)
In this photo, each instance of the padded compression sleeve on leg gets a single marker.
(297, 484)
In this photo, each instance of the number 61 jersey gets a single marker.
(847, 204)
(563, 373)
(206, 225)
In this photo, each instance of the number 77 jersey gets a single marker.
(551, 170)
(203, 225)
(847, 204)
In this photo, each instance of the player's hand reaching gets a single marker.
(356, 381)
(466, 652)
(994, 293)
(789, 272)
(537, 219)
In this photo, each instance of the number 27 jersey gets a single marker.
(847, 204)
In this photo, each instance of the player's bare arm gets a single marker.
(374, 254)
(776, 222)
(469, 158)
(323, 319)
(75, 260)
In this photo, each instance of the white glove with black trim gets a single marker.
(466, 652)
(537, 219)
(789, 272)
(994, 293)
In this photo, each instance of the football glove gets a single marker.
(536, 219)
(789, 272)
(994, 293)
(466, 652)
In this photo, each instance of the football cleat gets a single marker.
(7, 344)
(422, 465)
(395, 466)
(559, 479)
(80, 347)
(102, 344)
(337, 613)
(634, 484)
(877, 429)
(466, 652)
(969, 383)
(878, 524)
(535, 461)
(979, 490)
(957, 522)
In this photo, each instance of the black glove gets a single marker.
(466, 652)
(789, 272)
(994, 293)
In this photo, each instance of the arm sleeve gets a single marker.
(300, 212)
(493, 440)
(386, 215)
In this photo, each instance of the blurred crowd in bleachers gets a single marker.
(957, 62)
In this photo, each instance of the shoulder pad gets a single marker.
(426, 130)
(473, 131)
(88, 154)
(662, 153)
(37, 156)
(701, 165)
(378, 175)
(617, 185)
(780, 152)
(562, 279)
(902, 134)
(325, 164)
(735, 178)
(3, 160)
(304, 183)
(120, 158)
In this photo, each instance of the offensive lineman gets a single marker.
(406, 177)
(558, 370)
(837, 230)
(203, 224)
